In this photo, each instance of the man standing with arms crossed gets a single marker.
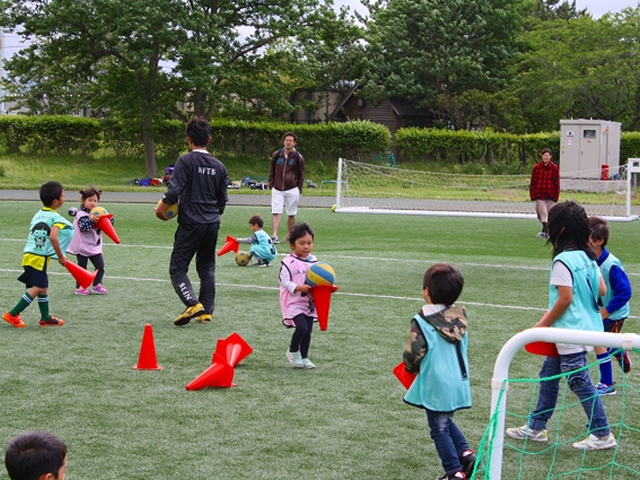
(286, 178)
(544, 188)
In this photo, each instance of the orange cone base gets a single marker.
(405, 377)
(83, 277)
(104, 224)
(230, 245)
(217, 375)
(233, 349)
(147, 359)
(542, 348)
(322, 300)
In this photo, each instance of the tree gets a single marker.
(554, 10)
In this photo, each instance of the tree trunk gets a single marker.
(149, 147)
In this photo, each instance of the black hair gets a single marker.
(444, 282)
(290, 134)
(568, 228)
(256, 220)
(33, 454)
(50, 191)
(599, 230)
(299, 230)
(546, 150)
(90, 192)
(199, 131)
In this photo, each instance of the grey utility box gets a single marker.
(589, 149)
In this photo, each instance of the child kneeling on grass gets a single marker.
(437, 351)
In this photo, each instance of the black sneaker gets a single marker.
(468, 461)
(260, 263)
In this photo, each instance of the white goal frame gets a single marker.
(492, 209)
(499, 385)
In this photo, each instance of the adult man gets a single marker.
(199, 182)
(544, 188)
(286, 177)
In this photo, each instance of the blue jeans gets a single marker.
(449, 440)
(579, 383)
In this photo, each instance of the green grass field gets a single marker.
(343, 420)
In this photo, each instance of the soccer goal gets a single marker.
(373, 188)
(556, 457)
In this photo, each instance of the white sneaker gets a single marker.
(525, 432)
(596, 443)
(306, 363)
(295, 359)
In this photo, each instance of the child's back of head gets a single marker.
(569, 228)
(444, 282)
(50, 191)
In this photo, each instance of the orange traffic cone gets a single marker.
(230, 245)
(322, 299)
(104, 224)
(147, 359)
(232, 349)
(83, 277)
(405, 377)
(219, 374)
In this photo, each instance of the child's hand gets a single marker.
(304, 288)
(62, 260)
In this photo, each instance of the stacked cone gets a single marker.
(229, 352)
(322, 299)
(104, 224)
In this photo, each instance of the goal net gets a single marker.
(372, 188)
(514, 399)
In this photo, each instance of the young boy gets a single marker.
(49, 236)
(262, 247)
(36, 455)
(437, 351)
(615, 304)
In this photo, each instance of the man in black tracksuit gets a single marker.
(200, 183)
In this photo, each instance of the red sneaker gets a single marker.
(52, 322)
(15, 321)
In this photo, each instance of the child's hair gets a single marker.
(444, 282)
(568, 228)
(256, 220)
(90, 192)
(546, 150)
(599, 229)
(50, 191)
(33, 454)
(299, 230)
(289, 134)
(199, 131)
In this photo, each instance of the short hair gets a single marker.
(199, 131)
(90, 192)
(568, 228)
(546, 150)
(599, 229)
(33, 454)
(299, 230)
(290, 134)
(50, 191)
(444, 282)
(256, 220)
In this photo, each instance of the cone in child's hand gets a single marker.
(83, 276)
(405, 377)
(230, 245)
(219, 374)
(322, 299)
(147, 359)
(232, 349)
(104, 224)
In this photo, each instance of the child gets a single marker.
(574, 288)
(36, 455)
(49, 236)
(297, 305)
(615, 304)
(87, 240)
(437, 351)
(262, 247)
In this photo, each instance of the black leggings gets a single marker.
(301, 338)
(98, 263)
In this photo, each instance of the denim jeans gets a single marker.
(449, 440)
(579, 383)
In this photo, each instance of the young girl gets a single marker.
(574, 287)
(297, 305)
(87, 240)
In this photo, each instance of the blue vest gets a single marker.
(605, 268)
(583, 313)
(442, 385)
(265, 248)
(39, 241)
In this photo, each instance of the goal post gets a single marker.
(499, 384)
(381, 189)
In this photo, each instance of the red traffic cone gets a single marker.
(230, 245)
(542, 348)
(147, 359)
(232, 350)
(104, 224)
(405, 377)
(219, 374)
(322, 299)
(83, 277)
